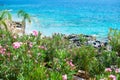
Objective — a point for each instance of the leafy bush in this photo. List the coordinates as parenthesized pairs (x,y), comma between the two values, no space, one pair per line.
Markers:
(85,59)
(50,58)
(114,37)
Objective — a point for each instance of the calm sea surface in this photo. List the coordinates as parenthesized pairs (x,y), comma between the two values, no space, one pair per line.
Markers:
(68,16)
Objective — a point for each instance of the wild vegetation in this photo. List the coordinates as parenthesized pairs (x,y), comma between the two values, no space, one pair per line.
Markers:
(25,17)
(4,15)
(32,57)
(6,19)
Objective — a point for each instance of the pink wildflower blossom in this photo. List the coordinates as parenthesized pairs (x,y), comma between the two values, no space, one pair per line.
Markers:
(16,45)
(42,47)
(15,37)
(2,50)
(31,44)
(117,70)
(64,77)
(70,63)
(112,77)
(35,33)
(0,46)
(108,70)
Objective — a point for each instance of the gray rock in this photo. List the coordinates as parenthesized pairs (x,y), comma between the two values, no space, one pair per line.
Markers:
(72,36)
(75,39)
(88,37)
(97,44)
(77,78)
(90,42)
(105,43)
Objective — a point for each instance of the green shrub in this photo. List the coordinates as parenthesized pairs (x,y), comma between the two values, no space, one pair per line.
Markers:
(49,58)
(114,37)
(84,59)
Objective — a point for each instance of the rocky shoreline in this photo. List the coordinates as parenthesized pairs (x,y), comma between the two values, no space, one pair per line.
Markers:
(76,40)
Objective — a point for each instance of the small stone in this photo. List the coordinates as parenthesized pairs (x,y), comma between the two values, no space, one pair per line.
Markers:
(77,78)
(71,36)
(75,39)
(105,43)
(98,41)
(78,43)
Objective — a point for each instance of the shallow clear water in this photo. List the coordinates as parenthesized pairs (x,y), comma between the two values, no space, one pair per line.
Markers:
(71,16)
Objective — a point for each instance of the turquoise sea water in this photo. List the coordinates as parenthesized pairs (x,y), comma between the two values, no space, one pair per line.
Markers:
(67,17)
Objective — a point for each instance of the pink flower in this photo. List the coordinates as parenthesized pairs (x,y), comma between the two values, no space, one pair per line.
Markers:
(16,45)
(117,70)
(35,33)
(14,37)
(42,47)
(70,63)
(31,44)
(64,77)
(0,46)
(2,50)
(112,77)
(108,70)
